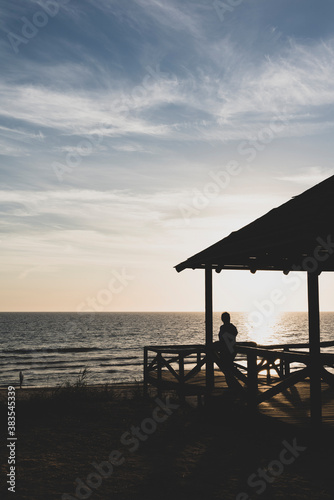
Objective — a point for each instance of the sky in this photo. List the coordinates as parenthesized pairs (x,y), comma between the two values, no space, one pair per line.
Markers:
(135,133)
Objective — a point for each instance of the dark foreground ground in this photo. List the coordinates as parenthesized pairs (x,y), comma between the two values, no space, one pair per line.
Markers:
(218,452)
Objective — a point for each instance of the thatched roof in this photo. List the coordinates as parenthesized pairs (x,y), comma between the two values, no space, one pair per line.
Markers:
(297,234)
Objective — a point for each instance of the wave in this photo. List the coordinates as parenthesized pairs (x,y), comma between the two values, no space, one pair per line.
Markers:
(27,361)
(125,357)
(125,364)
(50,350)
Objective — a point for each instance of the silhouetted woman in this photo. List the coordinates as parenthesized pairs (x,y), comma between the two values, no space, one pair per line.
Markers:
(227,346)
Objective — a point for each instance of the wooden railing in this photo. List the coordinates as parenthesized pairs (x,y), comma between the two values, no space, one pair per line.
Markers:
(278,358)
(272,358)
(173,359)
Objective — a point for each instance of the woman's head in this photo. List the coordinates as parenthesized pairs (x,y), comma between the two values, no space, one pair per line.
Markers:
(226,318)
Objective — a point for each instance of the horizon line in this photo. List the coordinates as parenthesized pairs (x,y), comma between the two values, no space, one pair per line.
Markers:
(151,312)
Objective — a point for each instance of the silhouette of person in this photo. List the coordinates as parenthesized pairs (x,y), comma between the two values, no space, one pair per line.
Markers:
(227,347)
(227,336)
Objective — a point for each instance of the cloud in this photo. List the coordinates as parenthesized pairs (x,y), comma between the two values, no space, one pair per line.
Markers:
(72,113)
(222,100)
(165,92)
(170,15)
(310,176)
(111,214)
(130,148)
(7,149)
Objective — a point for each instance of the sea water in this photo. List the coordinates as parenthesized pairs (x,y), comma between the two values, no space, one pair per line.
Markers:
(53,348)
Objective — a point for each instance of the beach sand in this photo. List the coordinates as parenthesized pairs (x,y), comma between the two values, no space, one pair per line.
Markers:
(181,451)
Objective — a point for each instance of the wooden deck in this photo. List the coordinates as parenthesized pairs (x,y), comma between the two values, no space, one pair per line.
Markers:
(280,380)
(291,405)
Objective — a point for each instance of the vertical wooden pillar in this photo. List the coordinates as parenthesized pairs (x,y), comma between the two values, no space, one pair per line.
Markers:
(145,370)
(181,377)
(314,340)
(209,327)
(252,379)
(159,374)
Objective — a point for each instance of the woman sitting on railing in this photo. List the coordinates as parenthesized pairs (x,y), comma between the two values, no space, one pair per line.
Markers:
(226,347)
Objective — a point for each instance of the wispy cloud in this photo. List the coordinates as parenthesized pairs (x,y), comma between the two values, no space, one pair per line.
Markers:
(130,148)
(165,93)
(310,176)
(211,105)
(172,16)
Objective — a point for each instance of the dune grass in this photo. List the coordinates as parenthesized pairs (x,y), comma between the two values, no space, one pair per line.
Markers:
(196,453)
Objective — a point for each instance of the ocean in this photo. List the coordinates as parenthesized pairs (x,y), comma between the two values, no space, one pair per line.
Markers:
(52,348)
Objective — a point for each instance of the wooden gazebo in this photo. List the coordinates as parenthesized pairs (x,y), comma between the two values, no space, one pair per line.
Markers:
(297,236)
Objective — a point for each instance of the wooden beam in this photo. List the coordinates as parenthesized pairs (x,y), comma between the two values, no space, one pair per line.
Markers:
(209,328)
(314,340)
(293,379)
(195,370)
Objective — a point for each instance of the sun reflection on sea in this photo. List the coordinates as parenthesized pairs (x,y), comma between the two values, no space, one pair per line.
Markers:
(266,331)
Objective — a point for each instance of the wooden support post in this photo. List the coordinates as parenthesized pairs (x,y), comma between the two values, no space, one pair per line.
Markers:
(268,374)
(252,380)
(181,376)
(314,340)
(208,328)
(145,370)
(198,357)
(159,373)
(286,364)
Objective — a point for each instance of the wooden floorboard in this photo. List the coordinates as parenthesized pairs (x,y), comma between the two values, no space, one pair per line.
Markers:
(291,406)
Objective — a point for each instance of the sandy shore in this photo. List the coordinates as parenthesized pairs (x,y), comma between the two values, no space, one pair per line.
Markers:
(111,443)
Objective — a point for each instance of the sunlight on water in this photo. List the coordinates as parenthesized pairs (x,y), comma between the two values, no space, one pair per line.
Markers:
(267,331)
(52,348)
